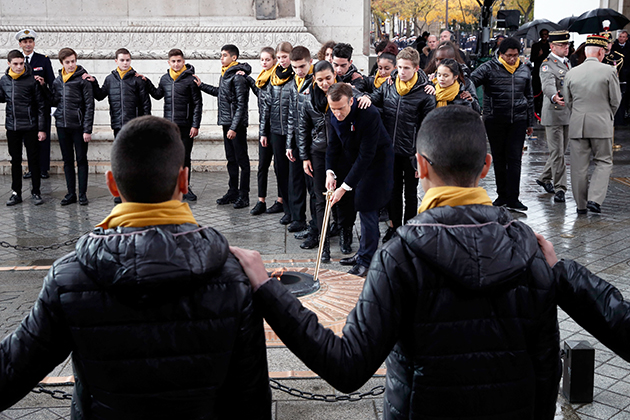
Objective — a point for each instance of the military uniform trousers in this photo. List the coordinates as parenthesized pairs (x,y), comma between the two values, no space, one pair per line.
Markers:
(555,170)
(581,150)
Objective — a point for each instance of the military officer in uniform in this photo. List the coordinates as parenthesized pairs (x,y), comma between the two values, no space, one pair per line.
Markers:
(41,66)
(555,115)
(592,94)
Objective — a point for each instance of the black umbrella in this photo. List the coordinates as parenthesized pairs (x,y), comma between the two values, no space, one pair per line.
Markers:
(532,29)
(594,21)
(567,22)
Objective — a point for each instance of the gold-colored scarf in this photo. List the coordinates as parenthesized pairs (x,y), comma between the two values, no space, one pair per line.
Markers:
(224,69)
(171,212)
(299,81)
(378,81)
(175,74)
(404,88)
(15,75)
(445,95)
(453,196)
(263,77)
(65,75)
(122,73)
(276,80)
(509,68)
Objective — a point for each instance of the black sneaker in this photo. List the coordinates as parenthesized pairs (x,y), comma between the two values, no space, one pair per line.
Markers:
(499,202)
(117,200)
(285,220)
(228,198)
(310,243)
(258,209)
(190,195)
(27,175)
(296,226)
(517,206)
(83,200)
(37,199)
(69,199)
(241,203)
(276,208)
(45,175)
(14,199)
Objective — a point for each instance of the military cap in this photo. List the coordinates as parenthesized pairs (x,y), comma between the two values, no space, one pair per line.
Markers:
(607,35)
(597,41)
(26,34)
(559,37)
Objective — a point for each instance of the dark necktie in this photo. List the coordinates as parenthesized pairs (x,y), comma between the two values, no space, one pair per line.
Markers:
(28,60)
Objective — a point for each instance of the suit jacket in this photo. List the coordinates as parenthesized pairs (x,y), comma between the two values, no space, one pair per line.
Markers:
(362,142)
(552,74)
(593,95)
(42,67)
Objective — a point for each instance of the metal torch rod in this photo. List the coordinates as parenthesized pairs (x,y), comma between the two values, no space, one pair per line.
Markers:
(322,236)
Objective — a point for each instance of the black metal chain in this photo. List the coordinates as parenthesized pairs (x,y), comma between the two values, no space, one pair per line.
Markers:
(69,242)
(352,397)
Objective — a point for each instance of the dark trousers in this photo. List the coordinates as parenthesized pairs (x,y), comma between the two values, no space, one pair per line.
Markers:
(506,144)
(404,180)
(44,146)
(369,237)
(297,189)
(265,155)
(281,163)
(71,141)
(237,157)
(346,214)
(116,131)
(184,133)
(15,140)
(318,161)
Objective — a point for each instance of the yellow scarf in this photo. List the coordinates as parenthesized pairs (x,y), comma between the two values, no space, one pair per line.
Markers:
(403,88)
(175,74)
(263,77)
(445,95)
(66,76)
(509,68)
(15,75)
(122,73)
(224,69)
(453,196)
(299,81)
(378,81)
(171,212)
(275,80)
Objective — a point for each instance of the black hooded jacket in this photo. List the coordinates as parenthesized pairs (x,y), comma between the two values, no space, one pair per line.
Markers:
(25,102)
(232,96)
(403,115)
(161,325)
(461,303)
(128,97)
(182,98)
(74,101)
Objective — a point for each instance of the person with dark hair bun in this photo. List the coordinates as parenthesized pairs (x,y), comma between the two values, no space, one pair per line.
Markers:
(508,114)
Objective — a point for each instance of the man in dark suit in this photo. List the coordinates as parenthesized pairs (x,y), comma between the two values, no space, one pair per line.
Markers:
(41,67)
(358,139)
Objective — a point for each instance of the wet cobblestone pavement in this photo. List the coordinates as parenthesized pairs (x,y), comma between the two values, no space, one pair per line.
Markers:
(601,242)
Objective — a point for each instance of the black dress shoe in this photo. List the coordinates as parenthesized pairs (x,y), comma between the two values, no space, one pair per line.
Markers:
(303,234)
(44,175)
(83,200)
(296,226)
(359,270)
(276,208)
(258,209)
(548,186)
(27,175)
(499,202)
(285,220)
(582,211)
(69,199)
(389,234)
(345,241)
(349,260)
(228,198)
(310,243)
(190,195)
(241,203)
(37,199)
(14,199)
(593,207)
(559,197)
(517,206)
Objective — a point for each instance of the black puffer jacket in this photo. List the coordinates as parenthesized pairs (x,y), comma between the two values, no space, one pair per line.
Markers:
(506,97)
(274,114)
(469,86)
(182,98)
(128,97)
(74,101)
(403,115)
(25,102)
(355,78)
(312,135)
(161,325)
(295,108)
(461,303)
(232,96)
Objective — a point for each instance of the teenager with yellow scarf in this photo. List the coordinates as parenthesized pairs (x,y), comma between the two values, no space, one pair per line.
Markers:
(452,87)
(508,113)
(404,104)
(386,64)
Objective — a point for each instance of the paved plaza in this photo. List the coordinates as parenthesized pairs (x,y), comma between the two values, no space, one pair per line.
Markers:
(601,242)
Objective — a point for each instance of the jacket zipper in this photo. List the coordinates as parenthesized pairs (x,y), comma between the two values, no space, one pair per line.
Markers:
(13,104)
(396,123)
(65,123)
(512,109)
(280,109)
(122,104)
(173,101)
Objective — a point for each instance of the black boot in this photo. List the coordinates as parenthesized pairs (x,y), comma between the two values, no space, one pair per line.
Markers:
(326,251)
(345,240)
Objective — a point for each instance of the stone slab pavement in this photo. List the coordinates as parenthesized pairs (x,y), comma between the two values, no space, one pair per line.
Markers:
(601,242)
